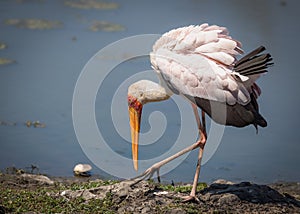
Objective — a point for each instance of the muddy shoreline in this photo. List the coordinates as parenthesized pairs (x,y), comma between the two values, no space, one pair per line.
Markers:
(22,192)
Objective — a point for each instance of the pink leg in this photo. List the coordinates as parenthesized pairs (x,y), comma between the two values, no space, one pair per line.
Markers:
(148,173)
(202,141)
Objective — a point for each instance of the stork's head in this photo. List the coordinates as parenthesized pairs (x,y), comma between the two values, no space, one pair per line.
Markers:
(140,93)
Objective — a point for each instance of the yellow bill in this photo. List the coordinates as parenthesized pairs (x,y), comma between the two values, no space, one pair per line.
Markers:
(135,119)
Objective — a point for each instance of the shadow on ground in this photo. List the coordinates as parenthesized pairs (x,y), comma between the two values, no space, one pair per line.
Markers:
(227,192)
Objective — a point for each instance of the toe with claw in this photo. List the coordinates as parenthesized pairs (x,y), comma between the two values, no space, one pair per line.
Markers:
(147,174)
(190,198)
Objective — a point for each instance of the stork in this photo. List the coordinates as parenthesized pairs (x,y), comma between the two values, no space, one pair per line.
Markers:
(200,64)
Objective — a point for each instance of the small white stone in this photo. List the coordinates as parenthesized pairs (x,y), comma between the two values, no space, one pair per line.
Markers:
(161,193)
(81,168)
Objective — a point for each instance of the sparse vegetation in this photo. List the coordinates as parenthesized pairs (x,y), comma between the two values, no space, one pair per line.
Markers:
(34,24)
(182,188)
(91,4)
(84,195)
(5,61)
(18,196)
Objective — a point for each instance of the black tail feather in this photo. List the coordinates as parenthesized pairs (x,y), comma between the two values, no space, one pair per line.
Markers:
(251,54)
(254,63)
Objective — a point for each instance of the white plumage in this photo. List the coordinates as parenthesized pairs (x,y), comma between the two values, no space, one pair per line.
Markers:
(198,61)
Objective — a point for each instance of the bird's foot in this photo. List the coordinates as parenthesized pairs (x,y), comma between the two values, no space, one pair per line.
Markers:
(190,198)
(147,174)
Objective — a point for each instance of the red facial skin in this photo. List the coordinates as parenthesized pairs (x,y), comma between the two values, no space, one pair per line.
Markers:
(135,104)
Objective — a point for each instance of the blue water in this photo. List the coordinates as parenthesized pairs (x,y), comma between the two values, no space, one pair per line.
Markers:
(40,86)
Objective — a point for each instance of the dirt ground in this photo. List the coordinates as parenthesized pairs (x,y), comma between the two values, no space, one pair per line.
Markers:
(30,193)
